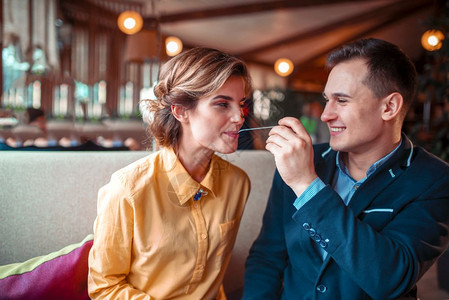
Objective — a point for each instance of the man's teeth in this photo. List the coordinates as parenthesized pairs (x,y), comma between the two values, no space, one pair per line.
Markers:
(337,129)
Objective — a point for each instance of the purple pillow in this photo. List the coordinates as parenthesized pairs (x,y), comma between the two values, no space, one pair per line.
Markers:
(58,275)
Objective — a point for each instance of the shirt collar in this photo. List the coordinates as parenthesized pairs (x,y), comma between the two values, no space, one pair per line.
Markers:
(341,166)
(182,184)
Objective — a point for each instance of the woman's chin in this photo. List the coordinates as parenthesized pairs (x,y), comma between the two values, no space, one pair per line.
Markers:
(228,148)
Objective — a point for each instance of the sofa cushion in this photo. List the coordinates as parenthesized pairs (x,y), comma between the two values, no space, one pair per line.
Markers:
(58,275)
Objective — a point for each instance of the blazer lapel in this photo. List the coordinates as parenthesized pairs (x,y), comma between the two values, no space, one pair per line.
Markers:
(325,165)
(382,178)
(363,197)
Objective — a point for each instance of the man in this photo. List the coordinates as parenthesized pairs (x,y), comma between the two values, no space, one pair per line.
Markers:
(366,217)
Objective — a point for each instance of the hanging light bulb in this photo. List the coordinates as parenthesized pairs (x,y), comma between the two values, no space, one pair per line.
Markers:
(130,22)
(432,40)
(173,46)
(283,67)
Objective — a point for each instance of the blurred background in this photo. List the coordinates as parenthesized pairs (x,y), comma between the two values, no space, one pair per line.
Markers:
(87,63)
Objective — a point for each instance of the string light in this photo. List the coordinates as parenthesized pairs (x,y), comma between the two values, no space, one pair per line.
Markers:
(432,40)
(173,46)
(283,67)
(130,22)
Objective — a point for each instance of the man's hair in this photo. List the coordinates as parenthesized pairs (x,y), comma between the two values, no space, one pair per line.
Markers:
(389,68)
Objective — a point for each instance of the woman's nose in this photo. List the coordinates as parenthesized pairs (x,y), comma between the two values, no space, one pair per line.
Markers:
(238,115)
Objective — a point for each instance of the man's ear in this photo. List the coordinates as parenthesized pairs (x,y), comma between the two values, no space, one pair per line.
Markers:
(180,113)
(392,106)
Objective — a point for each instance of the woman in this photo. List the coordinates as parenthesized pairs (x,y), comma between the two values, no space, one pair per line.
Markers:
(167,223)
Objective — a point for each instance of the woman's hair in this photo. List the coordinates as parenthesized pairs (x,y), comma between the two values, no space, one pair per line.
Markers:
(183,80)
(389,68)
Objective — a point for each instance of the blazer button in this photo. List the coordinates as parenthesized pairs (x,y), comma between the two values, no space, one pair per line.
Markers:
(306,226)
(317,238)
(312,232)
(321,288)
(323,244)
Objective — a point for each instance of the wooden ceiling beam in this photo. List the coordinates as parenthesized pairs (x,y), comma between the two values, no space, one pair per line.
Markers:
(395,17)
(393,10)
(84,10)
(243,9)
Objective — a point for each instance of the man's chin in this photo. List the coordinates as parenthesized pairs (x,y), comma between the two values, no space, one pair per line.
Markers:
(335,146)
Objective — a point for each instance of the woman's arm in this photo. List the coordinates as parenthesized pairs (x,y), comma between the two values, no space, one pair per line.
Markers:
(110,256)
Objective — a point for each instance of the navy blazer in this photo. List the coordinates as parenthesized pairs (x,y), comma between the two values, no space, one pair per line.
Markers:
(394,228)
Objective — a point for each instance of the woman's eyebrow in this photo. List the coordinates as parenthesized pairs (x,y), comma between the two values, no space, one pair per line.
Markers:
(222,97)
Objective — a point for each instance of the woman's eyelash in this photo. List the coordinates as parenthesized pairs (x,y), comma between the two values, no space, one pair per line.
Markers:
(226,104)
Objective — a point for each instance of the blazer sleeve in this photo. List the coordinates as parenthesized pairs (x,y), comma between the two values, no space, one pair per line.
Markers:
(268,255)
(385,263)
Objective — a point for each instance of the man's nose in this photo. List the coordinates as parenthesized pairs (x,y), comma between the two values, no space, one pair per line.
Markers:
(328,113)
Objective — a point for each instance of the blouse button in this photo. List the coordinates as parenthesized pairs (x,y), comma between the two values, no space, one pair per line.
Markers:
(204,236)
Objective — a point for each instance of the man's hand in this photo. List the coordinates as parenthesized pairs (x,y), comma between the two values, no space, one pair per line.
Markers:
(292,148)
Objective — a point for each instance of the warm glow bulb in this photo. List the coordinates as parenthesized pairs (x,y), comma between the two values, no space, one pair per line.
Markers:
(283,67)
(130,22)
(432,40)
(173,46)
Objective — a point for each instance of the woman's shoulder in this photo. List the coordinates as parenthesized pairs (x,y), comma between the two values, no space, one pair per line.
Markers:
(140,165)
(141,169)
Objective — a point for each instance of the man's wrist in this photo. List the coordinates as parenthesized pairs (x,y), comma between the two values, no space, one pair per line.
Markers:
(314,188)
(301,187)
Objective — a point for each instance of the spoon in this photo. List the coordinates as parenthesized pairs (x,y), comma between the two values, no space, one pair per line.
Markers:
(255,128)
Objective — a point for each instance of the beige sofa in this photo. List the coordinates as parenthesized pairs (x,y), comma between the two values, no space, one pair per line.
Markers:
(48,201)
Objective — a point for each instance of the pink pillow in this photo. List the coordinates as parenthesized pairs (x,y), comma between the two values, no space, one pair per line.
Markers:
(58,275)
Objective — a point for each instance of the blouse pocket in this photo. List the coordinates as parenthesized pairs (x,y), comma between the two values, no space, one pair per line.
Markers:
(227,238)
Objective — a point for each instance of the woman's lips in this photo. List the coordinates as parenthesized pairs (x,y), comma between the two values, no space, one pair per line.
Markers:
(232,134)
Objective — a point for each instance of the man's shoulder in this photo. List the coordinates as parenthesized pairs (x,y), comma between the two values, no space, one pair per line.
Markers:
(425,176)
(428,162)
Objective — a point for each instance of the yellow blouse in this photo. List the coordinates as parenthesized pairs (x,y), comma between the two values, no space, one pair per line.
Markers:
(152,240)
